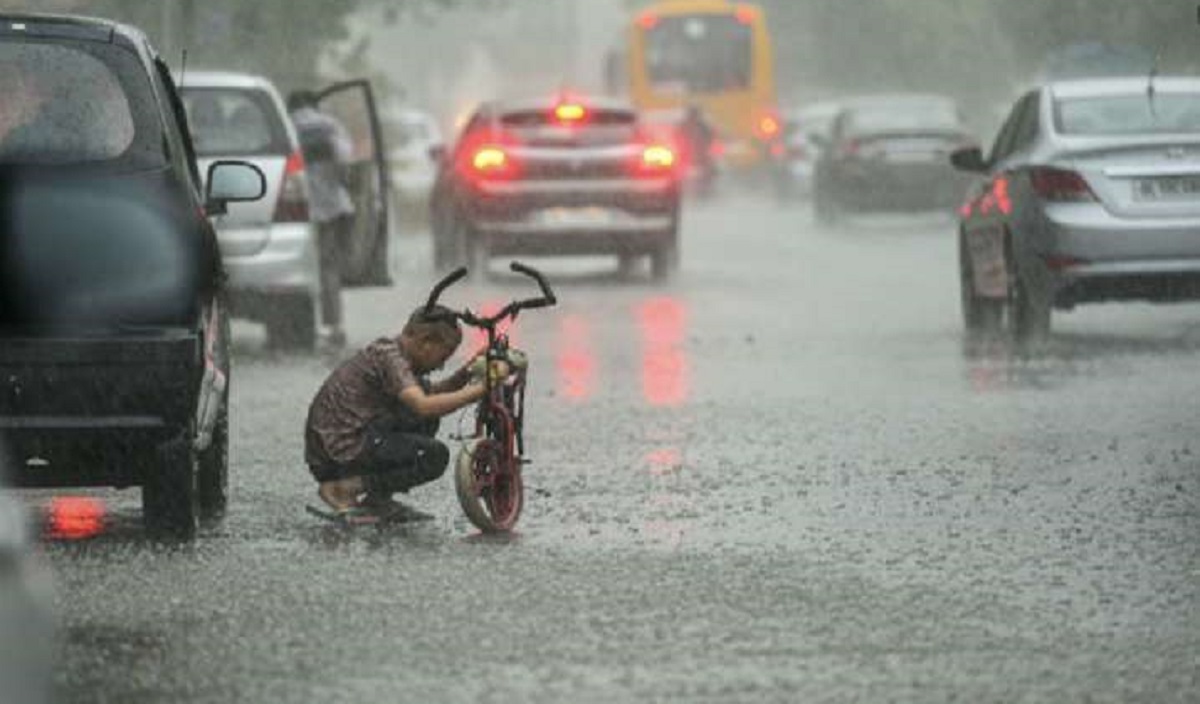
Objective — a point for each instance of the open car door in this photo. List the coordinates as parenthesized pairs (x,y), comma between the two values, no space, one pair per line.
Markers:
(365,260)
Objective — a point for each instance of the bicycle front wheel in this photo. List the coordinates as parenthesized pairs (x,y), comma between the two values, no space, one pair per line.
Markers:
(489,489)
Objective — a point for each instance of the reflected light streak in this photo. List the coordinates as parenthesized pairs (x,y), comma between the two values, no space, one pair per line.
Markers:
(665,372)
(576,361)
(664,461)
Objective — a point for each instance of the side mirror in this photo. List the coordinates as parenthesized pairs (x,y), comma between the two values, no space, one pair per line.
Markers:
(969,159)
(437,153)
(232,182)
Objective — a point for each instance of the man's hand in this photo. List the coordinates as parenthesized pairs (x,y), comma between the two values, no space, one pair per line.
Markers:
(499,369)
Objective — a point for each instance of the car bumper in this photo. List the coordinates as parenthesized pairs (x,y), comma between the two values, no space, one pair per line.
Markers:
(575,217)
(287,264)
(1089,255)
(885,185)
(91,412)
(636,236)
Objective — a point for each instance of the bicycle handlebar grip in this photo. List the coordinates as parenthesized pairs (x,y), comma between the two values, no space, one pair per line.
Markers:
(451,279)
(536,275)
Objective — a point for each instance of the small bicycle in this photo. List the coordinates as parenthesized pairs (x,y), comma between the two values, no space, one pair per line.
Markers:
(487,472)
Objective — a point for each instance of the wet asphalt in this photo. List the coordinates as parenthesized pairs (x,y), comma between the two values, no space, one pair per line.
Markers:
(781,477)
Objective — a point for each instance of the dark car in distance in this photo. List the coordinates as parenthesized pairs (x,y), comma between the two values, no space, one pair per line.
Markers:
(891,152)
(114,334)
(557,176)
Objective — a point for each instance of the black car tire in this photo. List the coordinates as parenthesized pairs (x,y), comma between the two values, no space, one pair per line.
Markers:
(170,496)
(980,315)
(664,261)
(824,208)
(213,478)
(478,254)
(1030,317)
(292,324)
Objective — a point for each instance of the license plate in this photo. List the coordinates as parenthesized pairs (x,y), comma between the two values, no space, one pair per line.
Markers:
(1167,188)
(575,216)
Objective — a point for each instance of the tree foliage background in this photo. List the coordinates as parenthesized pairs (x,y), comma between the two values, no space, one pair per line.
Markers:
(284,39)
(969,46)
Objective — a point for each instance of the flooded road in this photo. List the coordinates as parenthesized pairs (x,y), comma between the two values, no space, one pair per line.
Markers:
(781,477)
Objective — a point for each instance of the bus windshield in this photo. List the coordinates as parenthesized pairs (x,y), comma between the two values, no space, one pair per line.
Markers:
(699,53)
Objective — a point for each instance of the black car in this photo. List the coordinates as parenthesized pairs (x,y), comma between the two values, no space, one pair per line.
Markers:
(114,335)
(557,176)
(891,153)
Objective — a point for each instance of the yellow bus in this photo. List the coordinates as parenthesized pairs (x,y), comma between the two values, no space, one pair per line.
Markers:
(713,54)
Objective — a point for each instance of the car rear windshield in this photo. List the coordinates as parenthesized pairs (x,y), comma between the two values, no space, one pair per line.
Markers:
(235,122)
(64,104)
(1165,113)
(596,128)
(904,117)
(700,53)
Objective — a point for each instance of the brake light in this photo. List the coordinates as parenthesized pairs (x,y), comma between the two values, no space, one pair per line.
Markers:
(71,518)
(292,205)
(768,126)
(489,159)
(1060,185)
(745,14)
(647,20)
(569,113)
(656,158)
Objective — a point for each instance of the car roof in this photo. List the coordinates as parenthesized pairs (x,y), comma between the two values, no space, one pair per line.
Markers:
(874,99)
(224,79)
(549,102)
(57,26)
(1133,85)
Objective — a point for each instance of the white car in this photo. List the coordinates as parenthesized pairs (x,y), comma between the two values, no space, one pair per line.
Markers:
(269,247)
(412,135)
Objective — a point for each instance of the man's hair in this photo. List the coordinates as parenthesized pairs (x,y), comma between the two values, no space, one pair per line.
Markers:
(298,99)
(438,324)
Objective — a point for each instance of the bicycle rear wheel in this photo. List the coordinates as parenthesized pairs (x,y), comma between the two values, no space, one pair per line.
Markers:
(491,494)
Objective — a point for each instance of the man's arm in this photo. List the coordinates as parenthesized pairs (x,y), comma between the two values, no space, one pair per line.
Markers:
(436,405)
(454,382)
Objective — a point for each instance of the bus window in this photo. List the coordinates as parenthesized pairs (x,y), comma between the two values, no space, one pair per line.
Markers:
(699,53)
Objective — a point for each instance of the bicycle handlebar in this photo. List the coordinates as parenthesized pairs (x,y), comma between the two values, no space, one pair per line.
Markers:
(451,279)
(547,299)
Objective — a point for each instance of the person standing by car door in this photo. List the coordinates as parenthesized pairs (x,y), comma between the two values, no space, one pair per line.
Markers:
(328,150)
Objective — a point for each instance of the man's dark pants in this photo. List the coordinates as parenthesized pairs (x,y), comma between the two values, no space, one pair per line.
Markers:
(333,239)
(401,452)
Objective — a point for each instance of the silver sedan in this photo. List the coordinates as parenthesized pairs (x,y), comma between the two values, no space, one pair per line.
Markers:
(1090,193)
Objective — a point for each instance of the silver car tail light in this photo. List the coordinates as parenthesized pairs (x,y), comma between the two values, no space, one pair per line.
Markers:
(293,194)
(1060,185)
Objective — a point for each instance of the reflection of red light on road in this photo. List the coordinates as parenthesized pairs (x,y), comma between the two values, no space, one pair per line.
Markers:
(664,363)
(74,518)
(664,461)
(576,362)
